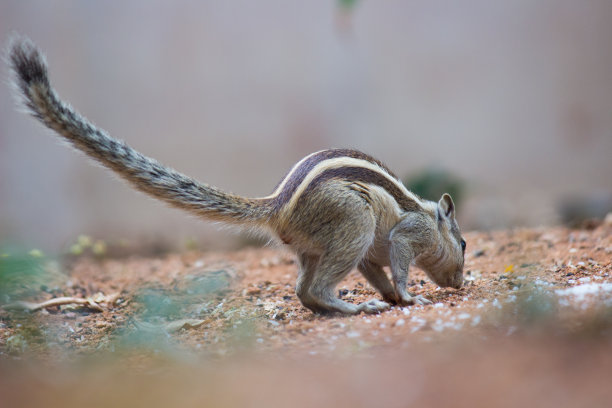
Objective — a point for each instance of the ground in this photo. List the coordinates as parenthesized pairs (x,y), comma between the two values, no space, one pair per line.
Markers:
(531,326)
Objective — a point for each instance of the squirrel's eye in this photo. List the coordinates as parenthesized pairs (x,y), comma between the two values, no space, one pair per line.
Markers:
(463,245)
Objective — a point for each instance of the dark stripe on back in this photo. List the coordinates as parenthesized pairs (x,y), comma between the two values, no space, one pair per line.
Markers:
(302,171)
(360,174)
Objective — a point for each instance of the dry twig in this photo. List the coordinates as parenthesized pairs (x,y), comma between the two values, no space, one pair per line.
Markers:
(67,300)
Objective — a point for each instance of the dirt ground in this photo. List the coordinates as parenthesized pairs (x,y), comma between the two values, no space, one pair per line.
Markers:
(531,326)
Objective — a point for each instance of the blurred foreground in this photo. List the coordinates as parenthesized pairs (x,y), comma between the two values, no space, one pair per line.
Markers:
(532,326)
(499,372)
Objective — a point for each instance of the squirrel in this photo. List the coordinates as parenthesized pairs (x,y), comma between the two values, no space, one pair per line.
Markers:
(337,209)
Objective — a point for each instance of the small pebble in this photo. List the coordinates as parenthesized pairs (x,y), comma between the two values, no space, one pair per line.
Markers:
(478,253)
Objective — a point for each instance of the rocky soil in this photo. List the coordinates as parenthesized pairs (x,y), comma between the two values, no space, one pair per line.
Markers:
(532,325)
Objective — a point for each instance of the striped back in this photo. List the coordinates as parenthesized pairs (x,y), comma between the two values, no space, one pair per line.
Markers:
(340,164)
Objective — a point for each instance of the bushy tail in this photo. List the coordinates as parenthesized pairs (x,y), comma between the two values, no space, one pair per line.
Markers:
(31,80)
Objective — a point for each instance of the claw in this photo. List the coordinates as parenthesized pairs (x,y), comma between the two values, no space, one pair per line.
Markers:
(414,300)
(420,300)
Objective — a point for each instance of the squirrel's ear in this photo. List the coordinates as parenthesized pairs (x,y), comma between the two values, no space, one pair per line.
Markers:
(446,207)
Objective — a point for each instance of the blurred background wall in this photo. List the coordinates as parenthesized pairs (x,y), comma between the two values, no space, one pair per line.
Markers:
(514,98)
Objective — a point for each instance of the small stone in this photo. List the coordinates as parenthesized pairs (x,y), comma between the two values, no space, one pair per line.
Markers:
(280,315)
(478,253)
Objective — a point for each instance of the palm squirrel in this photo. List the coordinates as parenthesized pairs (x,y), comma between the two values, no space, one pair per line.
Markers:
(337,209)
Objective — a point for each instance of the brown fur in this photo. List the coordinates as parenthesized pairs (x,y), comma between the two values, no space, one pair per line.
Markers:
(337,209)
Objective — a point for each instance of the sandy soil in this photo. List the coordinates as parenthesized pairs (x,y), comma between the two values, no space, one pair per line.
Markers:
(532,325)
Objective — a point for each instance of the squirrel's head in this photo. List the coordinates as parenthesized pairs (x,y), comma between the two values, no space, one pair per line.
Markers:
(443,263)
